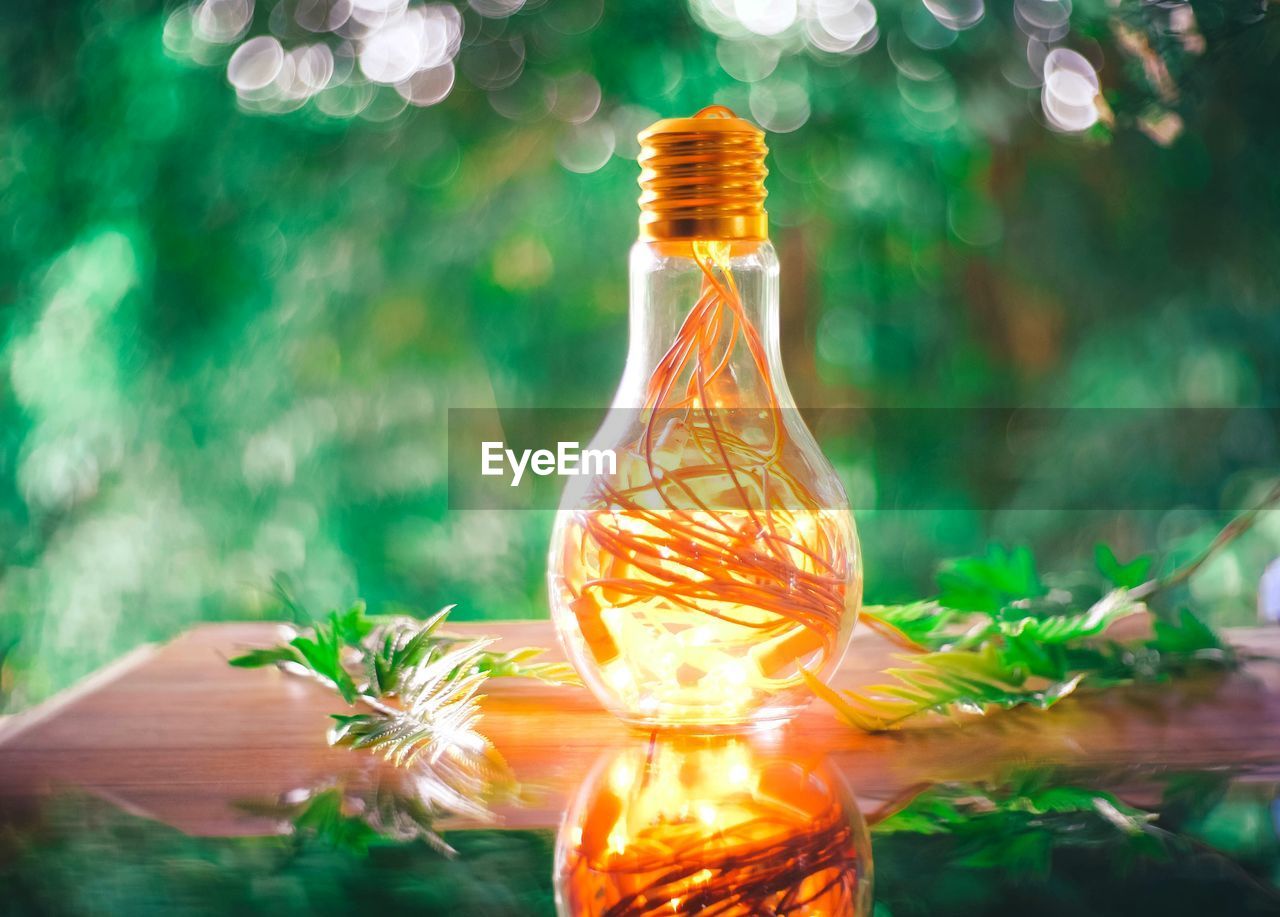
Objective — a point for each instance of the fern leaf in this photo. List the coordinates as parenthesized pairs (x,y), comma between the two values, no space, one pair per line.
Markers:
(421,687)
(944,683)
(1067,628)
(918,626)
(438,709)
(516,663)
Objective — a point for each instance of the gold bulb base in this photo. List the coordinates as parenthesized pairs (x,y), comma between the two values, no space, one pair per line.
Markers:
(703,178)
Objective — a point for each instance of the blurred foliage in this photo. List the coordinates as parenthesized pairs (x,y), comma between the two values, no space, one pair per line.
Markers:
(230,336)
(1038,841)
(88,857)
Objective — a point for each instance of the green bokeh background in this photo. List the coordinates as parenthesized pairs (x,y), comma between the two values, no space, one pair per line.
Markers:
(229,339)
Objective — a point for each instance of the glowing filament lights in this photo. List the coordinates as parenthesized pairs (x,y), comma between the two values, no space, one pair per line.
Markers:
(717,828)
(693,585)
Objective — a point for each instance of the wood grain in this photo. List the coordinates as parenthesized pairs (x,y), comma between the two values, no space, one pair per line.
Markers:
(174,733)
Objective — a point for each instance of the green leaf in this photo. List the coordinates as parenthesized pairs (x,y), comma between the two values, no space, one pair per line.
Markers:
(437,707)
(323,652)
(397,645)
(351,626)
(1023,821)
(994,625)
(275,655)
(927,813)
(1075,626)
(323,818)
(516,663)
(1044,660)
(1024,854)
(423,641)
(946,683)
(989,583)
(1188,636)
(420,685)
(926,624)
(1124,576)
(320,654)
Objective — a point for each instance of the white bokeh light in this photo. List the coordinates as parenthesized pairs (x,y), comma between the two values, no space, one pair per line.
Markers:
(576,97)
(393,52)
(766,17)
(780,106)
(369,10)
(956,14)
(322,15)
(846,21)
(496,9)
(1069,92)
(427,87)
(255,64)
(747,61)
(1045,20)
(422,38)
(586,147)
(222,21)
(313,65)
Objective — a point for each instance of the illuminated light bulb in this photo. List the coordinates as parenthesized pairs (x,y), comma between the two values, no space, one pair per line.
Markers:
(695,585)
(788,834)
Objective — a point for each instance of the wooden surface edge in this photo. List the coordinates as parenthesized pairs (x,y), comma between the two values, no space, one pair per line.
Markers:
(12,727)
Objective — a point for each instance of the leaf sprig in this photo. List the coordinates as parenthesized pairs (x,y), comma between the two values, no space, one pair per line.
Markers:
(997,636)
(419,687)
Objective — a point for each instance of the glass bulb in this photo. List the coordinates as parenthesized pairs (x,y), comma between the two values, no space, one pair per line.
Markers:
(696,584)
(718,827)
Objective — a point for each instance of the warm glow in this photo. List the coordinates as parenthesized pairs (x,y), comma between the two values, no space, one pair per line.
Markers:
(675,837)
(698,580)
(720,659)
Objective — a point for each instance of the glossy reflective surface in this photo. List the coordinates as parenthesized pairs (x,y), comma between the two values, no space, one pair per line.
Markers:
(1038,843)
(178,785)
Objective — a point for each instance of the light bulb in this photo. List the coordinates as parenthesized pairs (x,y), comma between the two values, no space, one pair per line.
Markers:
(695,584)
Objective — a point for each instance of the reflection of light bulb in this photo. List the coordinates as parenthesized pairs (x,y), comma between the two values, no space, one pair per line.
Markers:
(694,585)
(679,838)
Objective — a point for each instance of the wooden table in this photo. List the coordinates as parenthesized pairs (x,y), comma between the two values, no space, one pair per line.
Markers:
(173,733)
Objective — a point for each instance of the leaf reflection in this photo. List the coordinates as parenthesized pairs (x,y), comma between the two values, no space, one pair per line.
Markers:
(399,806)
